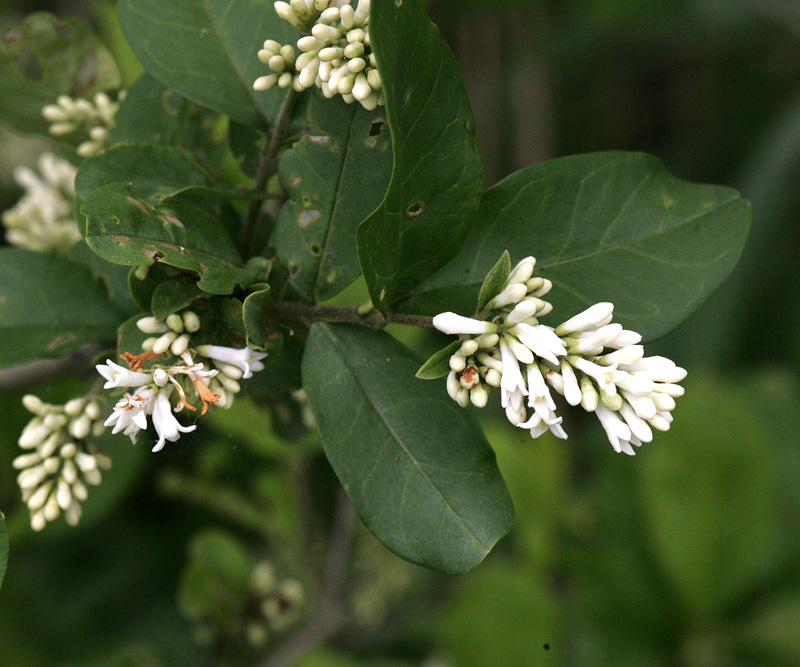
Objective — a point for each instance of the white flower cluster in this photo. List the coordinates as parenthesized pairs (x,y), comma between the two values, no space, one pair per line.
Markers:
(94,118)
(151,389)
(631,394)
(335,53)
(55,473)
(42,219)
(278,603)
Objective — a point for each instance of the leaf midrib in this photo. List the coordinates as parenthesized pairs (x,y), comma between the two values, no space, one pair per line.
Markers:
(334,342)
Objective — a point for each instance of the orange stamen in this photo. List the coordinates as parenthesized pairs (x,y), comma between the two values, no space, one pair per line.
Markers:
(206,395)
(135,361)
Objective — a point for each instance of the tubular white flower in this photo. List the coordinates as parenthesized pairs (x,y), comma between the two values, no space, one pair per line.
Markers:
(590,319)
(247,360)
(541,340)
(572,390)
(130,412)
(511,381)
(512,294)
(117,376)
(618,432)
(167,427)
(451,323)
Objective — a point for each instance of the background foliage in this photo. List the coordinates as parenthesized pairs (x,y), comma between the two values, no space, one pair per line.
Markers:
(685,555)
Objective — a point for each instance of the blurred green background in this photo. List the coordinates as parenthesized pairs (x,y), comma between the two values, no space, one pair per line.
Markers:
(687,555)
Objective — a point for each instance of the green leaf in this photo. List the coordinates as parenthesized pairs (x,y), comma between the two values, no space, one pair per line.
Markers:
(495,281)
(436,181)
(416,467)
(48,307)
(126,230)
(173,295)
(439,364)
(151,172)
(207,51)
(603,227)
(44,57)
(261,335)
(148,114)
(335,176)
(709,498)
(3,548)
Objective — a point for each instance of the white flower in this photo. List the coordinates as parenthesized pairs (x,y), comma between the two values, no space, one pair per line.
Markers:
(130,412)
(544,408)
(451,323)
(590,319)
(512,384)
(245,359)
(618,432)
(117,376)
(541,340)
(167,427)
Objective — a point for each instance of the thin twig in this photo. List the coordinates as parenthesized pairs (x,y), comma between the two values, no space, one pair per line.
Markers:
(19,377)
(268,166)
(308,314)
(331,615)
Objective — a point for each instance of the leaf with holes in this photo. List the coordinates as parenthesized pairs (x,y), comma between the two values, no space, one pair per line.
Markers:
(44,57)
(152,173)
(335,176)
(417,468)
(127,230)
(603,227)
(436,181)
(49,307)
(206,50)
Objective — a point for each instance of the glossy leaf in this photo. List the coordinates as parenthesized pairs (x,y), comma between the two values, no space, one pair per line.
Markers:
(495,281)
(439,364)
(436,181)
(148,114)
(207,51)
(152,173)
(261,335)
(335,176)
(127,230)
(44,57)
(603,227)
(48,307)
(416,466)
(3,549)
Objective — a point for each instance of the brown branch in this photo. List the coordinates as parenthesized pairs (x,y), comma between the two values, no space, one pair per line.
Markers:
(19,377)
(308,314)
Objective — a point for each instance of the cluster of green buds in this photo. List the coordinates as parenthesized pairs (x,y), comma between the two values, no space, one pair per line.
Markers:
(335,52)
(277,603)
(61,463)
(93,118)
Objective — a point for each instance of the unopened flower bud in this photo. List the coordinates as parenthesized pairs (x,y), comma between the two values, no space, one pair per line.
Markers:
(150,325)
(512,294)
(462,397)
(160,377)
(162,344)
(79,428)
(479,396)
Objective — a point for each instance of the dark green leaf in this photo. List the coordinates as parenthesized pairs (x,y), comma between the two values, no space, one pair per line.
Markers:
(604,227)
(113,277)
(261,335)
(207,51)
(127,230)
(439,364)
(142,289)
(436,182)
(495,281)
(3,548)
(173,295)
(152,173)
(148,114)
(335,177)
(44,57)
(416,466)
(48,307)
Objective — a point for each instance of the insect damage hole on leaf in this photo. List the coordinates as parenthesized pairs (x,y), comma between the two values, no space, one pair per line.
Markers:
(415,208)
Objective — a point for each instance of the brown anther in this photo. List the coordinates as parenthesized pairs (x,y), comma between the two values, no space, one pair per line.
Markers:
(470,377)
(206,395)
(135,361)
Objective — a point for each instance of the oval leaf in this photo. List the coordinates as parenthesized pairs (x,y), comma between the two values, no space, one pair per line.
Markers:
(206,50)
(49,307)
(439,364)
(335,176)
(417,468)
(44,57)
(126,230)
(603,227)
(436,181)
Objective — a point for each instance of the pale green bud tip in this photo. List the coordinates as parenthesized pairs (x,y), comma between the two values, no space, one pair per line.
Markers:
(33,404)
(175,322)
(191,321)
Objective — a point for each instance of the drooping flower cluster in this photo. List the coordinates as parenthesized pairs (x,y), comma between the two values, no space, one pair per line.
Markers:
(588,359)
(335,53)
(60,462)
(92,118)
(151,389)
(42,219)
